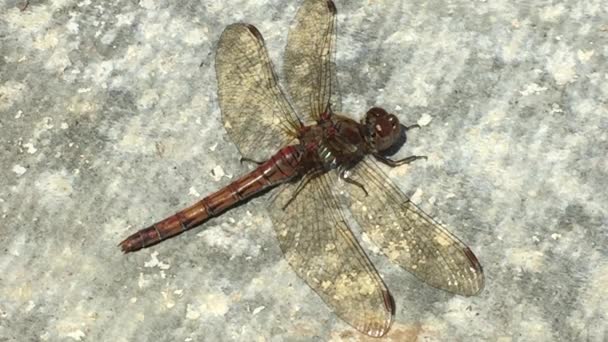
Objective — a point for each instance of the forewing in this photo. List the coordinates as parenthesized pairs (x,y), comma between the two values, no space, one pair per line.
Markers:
(309,61)
(408,236)
(322,250)
(254,110)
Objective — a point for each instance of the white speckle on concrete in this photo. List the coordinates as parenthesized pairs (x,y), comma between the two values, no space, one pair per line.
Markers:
(11,92)
(30,147)
(192,191)
(217,173)
(19,170)
(55,188)
(555,108)
(168,299)
(30,305)
(154,262)
(142,281)
(125,19)
(149,4)
(425,119)
(72,26)
(192,313)
(76,335)
(530,260)
(258,310)
(47,123)
(235,244)
(584,55)
(561,65)
(551,13)
(195,36)
(532,88)
(214,304)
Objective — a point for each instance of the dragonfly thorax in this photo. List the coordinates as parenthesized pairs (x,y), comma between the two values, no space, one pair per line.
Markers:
(326,156)
(334,141)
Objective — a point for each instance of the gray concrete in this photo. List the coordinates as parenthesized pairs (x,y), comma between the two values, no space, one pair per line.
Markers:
(109,121)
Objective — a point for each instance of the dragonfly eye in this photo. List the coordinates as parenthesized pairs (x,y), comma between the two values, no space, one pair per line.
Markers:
(393,121)
(376,112)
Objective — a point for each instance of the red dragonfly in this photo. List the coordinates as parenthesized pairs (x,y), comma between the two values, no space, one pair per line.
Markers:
(321,148)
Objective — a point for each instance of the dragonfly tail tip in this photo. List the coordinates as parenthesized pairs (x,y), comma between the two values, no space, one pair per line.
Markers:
(126,246)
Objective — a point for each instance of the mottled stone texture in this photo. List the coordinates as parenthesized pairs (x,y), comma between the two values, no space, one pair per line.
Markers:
(109,121)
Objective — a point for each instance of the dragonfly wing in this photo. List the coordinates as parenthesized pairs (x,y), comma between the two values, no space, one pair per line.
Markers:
(322,250)
(408,236)
(309,61)
(255,111)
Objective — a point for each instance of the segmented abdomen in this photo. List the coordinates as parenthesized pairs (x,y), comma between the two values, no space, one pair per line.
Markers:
(281,167)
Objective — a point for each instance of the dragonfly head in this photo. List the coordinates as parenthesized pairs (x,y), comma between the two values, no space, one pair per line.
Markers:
(383,132)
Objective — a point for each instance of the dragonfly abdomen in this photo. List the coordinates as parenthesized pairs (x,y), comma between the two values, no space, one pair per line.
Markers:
(278,169)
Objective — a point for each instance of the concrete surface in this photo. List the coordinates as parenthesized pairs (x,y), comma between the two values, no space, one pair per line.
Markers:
(109,121)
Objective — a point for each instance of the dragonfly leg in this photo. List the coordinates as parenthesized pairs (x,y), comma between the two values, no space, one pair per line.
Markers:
(245,159)
(305,179)
(352,181)
(407,128)
(394,163)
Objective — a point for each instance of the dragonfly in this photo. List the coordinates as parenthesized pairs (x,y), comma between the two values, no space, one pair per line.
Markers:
(304,147)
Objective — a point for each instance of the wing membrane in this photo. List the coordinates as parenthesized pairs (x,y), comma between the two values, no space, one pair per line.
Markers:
(322,250)
(409,237)
(309,61)
(254,110)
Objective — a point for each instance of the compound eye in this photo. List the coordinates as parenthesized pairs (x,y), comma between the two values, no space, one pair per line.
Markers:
(393,121)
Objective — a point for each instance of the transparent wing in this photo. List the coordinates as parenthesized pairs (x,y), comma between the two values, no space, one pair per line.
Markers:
(309,61)
(254,110)
(408,236)
(322,250)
